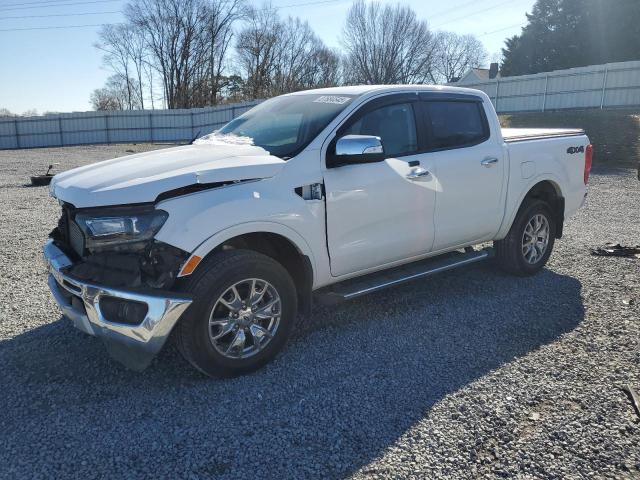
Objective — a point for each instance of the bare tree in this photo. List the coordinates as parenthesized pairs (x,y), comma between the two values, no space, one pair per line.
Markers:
(386,44)
(103,100)
(222,15)
(455,55)
(114,95)
(135,48)
(114,42)
(185,44)
(282,56)
(257,50)
(294,67)
(173,30)
(326,70)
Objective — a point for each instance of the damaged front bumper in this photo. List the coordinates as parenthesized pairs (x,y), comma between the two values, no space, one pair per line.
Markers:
(133,345)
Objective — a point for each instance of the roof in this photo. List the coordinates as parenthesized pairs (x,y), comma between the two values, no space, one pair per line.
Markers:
(482,73)
(365,89)
(474,75)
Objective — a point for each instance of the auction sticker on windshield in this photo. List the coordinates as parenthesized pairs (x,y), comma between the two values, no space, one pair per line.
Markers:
(332,99)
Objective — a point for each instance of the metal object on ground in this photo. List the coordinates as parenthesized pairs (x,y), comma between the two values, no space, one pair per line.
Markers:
(616,250)
(633,396)
(41,180)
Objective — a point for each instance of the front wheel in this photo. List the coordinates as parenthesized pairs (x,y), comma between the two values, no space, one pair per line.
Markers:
(243,310)
(528,245)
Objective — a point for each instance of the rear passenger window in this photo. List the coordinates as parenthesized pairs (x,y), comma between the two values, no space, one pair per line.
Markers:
(394,124)
(456,124)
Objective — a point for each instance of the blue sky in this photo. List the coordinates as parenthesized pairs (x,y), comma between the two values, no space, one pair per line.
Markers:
(57,69)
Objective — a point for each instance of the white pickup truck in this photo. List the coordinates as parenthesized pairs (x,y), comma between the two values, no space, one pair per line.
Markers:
(321,195)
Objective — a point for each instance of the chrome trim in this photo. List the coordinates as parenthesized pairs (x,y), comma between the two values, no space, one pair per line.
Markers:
(489,162)
(544,136)
(359,145)
(418,173)
(133,345)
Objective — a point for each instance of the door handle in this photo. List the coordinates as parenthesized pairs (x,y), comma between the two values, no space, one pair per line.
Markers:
(418,173)
(489,162)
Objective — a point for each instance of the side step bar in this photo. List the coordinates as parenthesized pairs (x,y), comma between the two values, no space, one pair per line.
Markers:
(356,287)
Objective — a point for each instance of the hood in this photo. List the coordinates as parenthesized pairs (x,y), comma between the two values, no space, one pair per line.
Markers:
(142,177)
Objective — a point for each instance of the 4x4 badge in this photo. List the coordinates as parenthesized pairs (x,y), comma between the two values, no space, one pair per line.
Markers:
(572,150)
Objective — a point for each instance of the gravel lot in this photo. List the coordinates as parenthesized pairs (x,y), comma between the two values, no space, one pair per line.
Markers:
(469,374)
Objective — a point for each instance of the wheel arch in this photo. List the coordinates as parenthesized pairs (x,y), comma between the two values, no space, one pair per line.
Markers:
(545,188)
(276,241)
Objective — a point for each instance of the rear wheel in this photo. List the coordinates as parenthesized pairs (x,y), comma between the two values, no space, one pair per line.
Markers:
(243,311)
(528,245)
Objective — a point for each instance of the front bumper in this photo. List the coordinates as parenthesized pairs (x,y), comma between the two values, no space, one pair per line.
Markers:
(132,345)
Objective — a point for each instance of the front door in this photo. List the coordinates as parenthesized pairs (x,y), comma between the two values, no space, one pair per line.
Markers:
(379,213)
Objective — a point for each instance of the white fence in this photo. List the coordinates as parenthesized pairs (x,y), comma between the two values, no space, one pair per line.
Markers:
(613,85)
(115,127)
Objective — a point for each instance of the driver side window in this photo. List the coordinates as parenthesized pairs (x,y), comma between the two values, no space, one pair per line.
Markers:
(395,124)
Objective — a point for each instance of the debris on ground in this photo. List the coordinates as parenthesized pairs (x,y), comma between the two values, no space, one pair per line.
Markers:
(40,180)
(616,250)
(633,396)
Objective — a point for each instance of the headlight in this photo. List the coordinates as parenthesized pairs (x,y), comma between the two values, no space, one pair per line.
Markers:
(105,230)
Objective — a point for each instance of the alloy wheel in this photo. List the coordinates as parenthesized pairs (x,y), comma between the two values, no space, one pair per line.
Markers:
(535,238)
(245,318)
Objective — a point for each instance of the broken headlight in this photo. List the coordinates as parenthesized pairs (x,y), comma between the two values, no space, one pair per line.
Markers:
(107,230)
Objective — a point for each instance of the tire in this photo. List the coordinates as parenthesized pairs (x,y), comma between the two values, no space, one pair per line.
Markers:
(210,315)
(512,255)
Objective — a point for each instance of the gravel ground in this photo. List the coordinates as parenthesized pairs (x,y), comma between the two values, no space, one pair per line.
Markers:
(469,374)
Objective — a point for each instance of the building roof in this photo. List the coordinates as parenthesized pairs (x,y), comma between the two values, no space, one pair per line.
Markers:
(474,75)
(482,73)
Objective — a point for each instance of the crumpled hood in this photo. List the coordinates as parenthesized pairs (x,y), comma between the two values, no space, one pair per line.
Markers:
(142,177)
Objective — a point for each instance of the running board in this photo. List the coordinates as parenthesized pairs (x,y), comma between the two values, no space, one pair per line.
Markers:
(356,287)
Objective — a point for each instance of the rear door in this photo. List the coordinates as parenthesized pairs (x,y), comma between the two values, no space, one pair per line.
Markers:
(379,213)
(469,169)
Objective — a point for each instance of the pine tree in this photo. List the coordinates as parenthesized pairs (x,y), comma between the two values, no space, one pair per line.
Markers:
(572,33)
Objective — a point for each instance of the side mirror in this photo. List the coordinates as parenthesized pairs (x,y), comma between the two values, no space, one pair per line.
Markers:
(356,149)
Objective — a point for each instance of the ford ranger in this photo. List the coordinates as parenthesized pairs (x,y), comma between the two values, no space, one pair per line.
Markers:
(314,196)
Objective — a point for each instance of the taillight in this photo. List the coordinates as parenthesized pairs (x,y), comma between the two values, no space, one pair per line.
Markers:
(588,159)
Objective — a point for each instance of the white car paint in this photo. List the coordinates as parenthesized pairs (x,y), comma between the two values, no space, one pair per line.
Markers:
(390,217)
(372,217)
(142,177)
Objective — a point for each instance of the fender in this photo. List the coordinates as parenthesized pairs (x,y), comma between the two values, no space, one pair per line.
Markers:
(290,234)
(511,215)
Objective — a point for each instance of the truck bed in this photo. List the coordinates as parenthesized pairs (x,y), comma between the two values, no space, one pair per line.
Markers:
(511,135)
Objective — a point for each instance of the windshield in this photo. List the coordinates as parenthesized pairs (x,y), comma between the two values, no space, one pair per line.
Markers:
(285,125)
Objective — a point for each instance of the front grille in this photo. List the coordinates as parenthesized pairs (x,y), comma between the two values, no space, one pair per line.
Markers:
(63,226)
(68,235)
(76,238)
